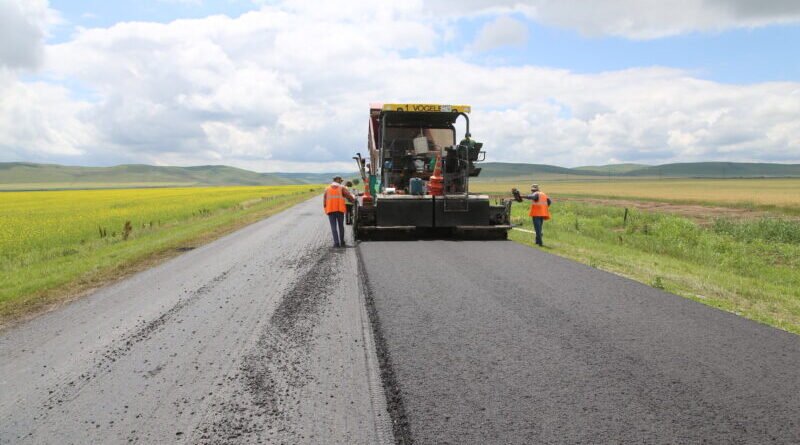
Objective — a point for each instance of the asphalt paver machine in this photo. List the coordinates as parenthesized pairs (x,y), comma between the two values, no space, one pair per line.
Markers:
(417,177)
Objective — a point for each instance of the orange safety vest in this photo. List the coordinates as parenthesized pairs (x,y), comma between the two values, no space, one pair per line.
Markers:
(334,200)
(540,208)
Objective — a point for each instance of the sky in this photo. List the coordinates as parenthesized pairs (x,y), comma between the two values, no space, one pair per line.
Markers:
(286,85)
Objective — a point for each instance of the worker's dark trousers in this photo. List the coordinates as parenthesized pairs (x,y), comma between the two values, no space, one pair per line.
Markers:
(337,227)
(348,216)
(538,222)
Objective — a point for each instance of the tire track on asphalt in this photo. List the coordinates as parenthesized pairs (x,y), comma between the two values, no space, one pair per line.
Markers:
(384,428)
(391,387)
(67,391)
(275,367)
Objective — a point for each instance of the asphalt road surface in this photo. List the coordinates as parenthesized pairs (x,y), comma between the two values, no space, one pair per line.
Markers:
(259,337)
(495,342)
(263,336)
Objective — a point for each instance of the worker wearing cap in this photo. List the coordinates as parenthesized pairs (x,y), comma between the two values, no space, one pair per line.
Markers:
(540,210)
(333,201)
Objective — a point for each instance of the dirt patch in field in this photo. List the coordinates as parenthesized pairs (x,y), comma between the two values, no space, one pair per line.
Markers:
(700,213)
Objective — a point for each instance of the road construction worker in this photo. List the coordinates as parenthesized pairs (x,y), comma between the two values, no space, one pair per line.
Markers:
(333,201)
(348,214)
(540,210)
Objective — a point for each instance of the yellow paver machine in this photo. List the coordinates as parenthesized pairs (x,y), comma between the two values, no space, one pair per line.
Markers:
(417,177)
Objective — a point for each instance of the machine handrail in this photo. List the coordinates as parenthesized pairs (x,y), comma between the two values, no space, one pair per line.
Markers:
(372,146)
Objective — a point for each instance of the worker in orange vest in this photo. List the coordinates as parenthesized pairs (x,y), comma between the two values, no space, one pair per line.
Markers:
(333,201)
(540,210)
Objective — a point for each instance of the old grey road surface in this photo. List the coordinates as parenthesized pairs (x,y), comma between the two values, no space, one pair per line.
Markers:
(259,337)
(494,342)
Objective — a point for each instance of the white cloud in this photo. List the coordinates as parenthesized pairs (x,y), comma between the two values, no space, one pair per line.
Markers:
(652,18)
(502,31)
(641,19)
(287,88)
(23,24)
(40,121)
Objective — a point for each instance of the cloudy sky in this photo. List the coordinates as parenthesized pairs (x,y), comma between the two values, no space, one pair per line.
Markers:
(286,85)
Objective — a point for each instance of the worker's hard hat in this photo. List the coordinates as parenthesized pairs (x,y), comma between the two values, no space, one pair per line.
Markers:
(534,187)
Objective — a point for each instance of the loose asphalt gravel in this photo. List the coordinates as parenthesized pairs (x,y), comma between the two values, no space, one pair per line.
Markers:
(270,336)
(259,337)
(496,342)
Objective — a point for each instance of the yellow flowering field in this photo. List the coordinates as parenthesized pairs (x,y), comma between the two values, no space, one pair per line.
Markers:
(53,238)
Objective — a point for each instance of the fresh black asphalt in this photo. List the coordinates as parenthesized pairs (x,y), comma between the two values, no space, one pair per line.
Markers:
(496,342)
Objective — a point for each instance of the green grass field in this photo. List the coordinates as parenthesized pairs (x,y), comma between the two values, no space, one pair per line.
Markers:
(779,195)
(747,266)
(57,243)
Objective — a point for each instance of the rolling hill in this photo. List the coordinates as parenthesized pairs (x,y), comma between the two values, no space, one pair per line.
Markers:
(37,176)
(14,173)
(315,178)
(493,171)
(719,170)
(612,168)
(497,170)
(30,176)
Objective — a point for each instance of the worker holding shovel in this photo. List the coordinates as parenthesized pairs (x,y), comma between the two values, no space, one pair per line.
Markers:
(540,208)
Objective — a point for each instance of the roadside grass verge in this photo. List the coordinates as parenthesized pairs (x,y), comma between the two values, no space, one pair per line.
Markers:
(751,268)
(55,246)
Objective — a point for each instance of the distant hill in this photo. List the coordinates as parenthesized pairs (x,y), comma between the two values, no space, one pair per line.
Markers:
(15,173)
(719,170)
(23,175)
(494,171)
(29,176)
(316,178)
(61,176)
(612,168)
